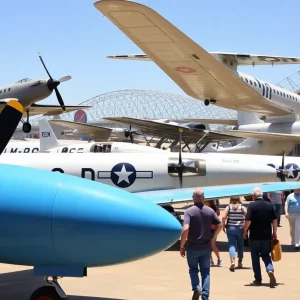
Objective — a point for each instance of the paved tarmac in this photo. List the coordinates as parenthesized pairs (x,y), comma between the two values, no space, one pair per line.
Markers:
(165,276)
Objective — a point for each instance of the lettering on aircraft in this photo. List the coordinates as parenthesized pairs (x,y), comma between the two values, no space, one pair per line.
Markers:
(79,150)
(25,150)
(123,174)
(45,134)
(293,170)
(228,160)
(37,83)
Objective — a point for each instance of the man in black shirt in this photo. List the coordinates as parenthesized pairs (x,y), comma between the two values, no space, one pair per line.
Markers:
(259,219)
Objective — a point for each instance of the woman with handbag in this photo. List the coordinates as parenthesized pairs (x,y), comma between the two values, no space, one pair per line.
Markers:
(235,214)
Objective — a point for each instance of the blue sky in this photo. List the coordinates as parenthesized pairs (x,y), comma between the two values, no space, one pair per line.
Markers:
(73,38)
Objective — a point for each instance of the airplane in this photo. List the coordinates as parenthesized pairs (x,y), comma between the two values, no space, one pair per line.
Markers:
(40,228)
(48,143)
(191,67)
(28,92)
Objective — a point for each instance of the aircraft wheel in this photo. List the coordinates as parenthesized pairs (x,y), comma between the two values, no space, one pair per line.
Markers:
(46,293)
(26,127)
(206,102)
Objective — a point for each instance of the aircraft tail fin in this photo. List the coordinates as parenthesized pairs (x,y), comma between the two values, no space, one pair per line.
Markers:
(48,138)
(245,118)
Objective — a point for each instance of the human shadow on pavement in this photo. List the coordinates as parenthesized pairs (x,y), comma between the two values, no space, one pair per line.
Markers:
(223,247)
(20,285)
(262,285)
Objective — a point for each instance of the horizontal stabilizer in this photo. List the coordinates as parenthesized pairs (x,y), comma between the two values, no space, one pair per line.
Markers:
(215,121)
(213,192)
(266,135)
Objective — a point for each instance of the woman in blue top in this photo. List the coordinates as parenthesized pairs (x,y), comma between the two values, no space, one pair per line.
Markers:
(292,212)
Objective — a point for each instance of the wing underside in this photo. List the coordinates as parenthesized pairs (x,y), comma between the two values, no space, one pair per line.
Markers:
(192,68)
(171,131)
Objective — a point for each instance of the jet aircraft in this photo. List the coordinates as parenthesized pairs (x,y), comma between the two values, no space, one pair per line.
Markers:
(192,68)
(28,92)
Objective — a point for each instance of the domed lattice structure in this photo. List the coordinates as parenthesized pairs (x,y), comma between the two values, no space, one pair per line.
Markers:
(146,104)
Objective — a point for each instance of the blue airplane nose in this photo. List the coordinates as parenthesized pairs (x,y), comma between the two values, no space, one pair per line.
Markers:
(97,225)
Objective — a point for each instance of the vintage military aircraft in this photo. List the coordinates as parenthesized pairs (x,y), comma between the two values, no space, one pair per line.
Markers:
(28,92)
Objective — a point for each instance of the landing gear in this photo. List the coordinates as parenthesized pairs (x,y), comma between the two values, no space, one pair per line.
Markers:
(26,125)
(52,292)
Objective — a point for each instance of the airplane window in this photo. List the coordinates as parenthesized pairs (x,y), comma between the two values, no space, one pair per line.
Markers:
(283,94)
(4,91)
(280,93)
(254,83)
(274,91)
(1,92)
(8,89)
(246,80)
(251,82)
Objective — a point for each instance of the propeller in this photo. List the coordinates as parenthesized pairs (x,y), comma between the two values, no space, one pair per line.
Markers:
(10,117)
(53,84)
(181,166)
(281,171)
(129,133)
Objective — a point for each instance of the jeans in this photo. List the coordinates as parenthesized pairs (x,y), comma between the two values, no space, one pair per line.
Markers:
(260,249)
(199,259)
(278,209)
(235,235)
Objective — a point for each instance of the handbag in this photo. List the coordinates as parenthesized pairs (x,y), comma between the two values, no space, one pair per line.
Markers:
(276,252)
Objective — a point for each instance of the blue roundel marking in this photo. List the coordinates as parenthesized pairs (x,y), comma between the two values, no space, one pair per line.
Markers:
(123,175)
(293,172)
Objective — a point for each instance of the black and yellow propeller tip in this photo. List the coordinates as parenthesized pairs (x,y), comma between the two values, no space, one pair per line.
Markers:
(16,105)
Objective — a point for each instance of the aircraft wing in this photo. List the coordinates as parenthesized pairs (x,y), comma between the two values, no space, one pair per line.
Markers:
(89,129)
(196,71)
(238,58)
(283,137)
(171,131)
(52,110)
(215,121)
(213,192)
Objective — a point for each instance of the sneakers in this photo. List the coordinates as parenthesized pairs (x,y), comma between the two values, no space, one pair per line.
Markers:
(212,263)
(196,295)
(219,263)
(240,264)
(257,282)
(272,279)
(232,266)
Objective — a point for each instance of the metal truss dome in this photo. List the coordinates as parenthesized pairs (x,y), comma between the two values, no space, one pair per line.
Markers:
(146,104)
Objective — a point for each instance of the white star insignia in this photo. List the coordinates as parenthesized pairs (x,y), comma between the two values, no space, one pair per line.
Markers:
(291,171)
(123,175)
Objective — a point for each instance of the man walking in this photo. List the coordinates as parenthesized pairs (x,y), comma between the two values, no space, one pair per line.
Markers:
(197,242)
(259,219)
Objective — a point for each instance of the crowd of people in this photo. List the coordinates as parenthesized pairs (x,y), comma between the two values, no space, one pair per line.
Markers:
(255,226)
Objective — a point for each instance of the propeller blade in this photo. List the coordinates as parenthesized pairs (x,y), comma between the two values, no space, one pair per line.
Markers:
(65,78)
(10,117)
(60,100)
(44,66)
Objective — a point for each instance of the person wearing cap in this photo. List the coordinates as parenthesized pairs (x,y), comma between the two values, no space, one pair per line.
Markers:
(197,244)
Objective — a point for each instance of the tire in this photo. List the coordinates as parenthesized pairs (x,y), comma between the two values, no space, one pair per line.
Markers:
(26,127)
(46,293)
